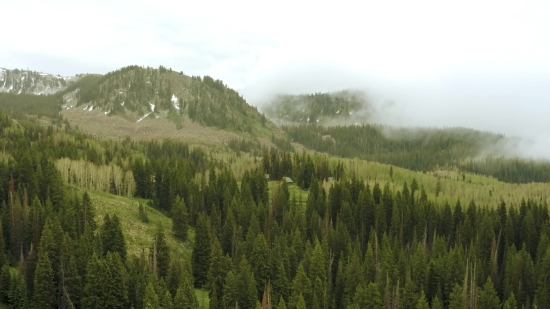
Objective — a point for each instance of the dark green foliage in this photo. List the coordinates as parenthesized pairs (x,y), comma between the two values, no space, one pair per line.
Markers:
(44,285)
(5,280)
(160,254)
(179,218)
(488,297)
(41,105)
(112,237)
(201,252)
(419,149)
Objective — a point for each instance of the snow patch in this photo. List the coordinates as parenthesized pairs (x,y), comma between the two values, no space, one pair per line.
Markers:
(91,108)
(338,112)
(122,103)
(152,107)
(175,102)
(85,108)
(106,112)
(140,119)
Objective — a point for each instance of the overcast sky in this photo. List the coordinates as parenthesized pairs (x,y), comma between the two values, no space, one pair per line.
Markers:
(481,64)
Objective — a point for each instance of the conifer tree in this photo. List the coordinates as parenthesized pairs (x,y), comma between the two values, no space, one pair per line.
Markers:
(542,299)
(200,257)
(44,286)
(5,280)
(488,297)
(510,302)
(179,218)
(160,253)
(422,303)
(150,298)
(457,299)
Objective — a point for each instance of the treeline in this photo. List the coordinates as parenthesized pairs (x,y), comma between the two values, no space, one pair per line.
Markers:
(134,88)
(41,105)
(420,149)
(312,108)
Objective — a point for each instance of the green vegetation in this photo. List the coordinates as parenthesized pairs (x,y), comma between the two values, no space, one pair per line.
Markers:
(318,108)
(18,105)
(88,223)
(421,149)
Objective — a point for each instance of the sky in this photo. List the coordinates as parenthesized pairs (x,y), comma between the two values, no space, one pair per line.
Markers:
(479,64)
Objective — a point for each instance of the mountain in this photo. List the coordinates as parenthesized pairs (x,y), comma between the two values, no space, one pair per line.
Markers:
(134,95)
(31,82)
(343,107)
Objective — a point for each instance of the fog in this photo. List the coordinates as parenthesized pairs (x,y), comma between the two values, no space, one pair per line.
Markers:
(478,64)
(513,103)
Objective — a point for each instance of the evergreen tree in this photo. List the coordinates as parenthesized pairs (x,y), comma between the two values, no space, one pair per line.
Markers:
(422,303)
(488,297)
(44,286)
(150,298)
(201,252)
(5,280)
(542,299)
(179,218)
(457,299)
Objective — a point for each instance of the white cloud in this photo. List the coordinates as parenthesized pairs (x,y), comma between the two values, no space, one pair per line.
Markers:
(477,63)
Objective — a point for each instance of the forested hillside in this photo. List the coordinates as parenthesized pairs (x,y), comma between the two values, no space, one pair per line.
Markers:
(30,82)
(422,149)
(328,240)
(137,92)
(322,108)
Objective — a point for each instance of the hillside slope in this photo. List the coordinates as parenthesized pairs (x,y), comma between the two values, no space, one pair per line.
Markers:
(343,107)
(30,82)
(136,94)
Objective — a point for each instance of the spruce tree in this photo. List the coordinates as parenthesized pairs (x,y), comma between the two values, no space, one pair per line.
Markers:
(488,297)
(44,286)
(5,280)
(200,257)
(179,218)
(422,303)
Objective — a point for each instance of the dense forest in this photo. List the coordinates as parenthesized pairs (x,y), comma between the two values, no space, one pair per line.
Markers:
(329,240)
(421,149)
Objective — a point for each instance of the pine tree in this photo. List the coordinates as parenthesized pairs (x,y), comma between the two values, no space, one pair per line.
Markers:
(488,297)
(160,253)
(200,257)
(150,298)
(5,280)
(260,262)
(301,286)
(510,302)
(44,286)
(301,304)
(179,218)
(457,299)
(542,299)
(422,303)
(281,304)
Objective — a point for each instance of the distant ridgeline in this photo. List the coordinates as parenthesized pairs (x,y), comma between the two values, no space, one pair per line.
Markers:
(146,91)
(318,108)
(421,149)
(30,82)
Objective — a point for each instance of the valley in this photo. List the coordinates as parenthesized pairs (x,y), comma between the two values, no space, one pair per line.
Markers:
(147,188)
